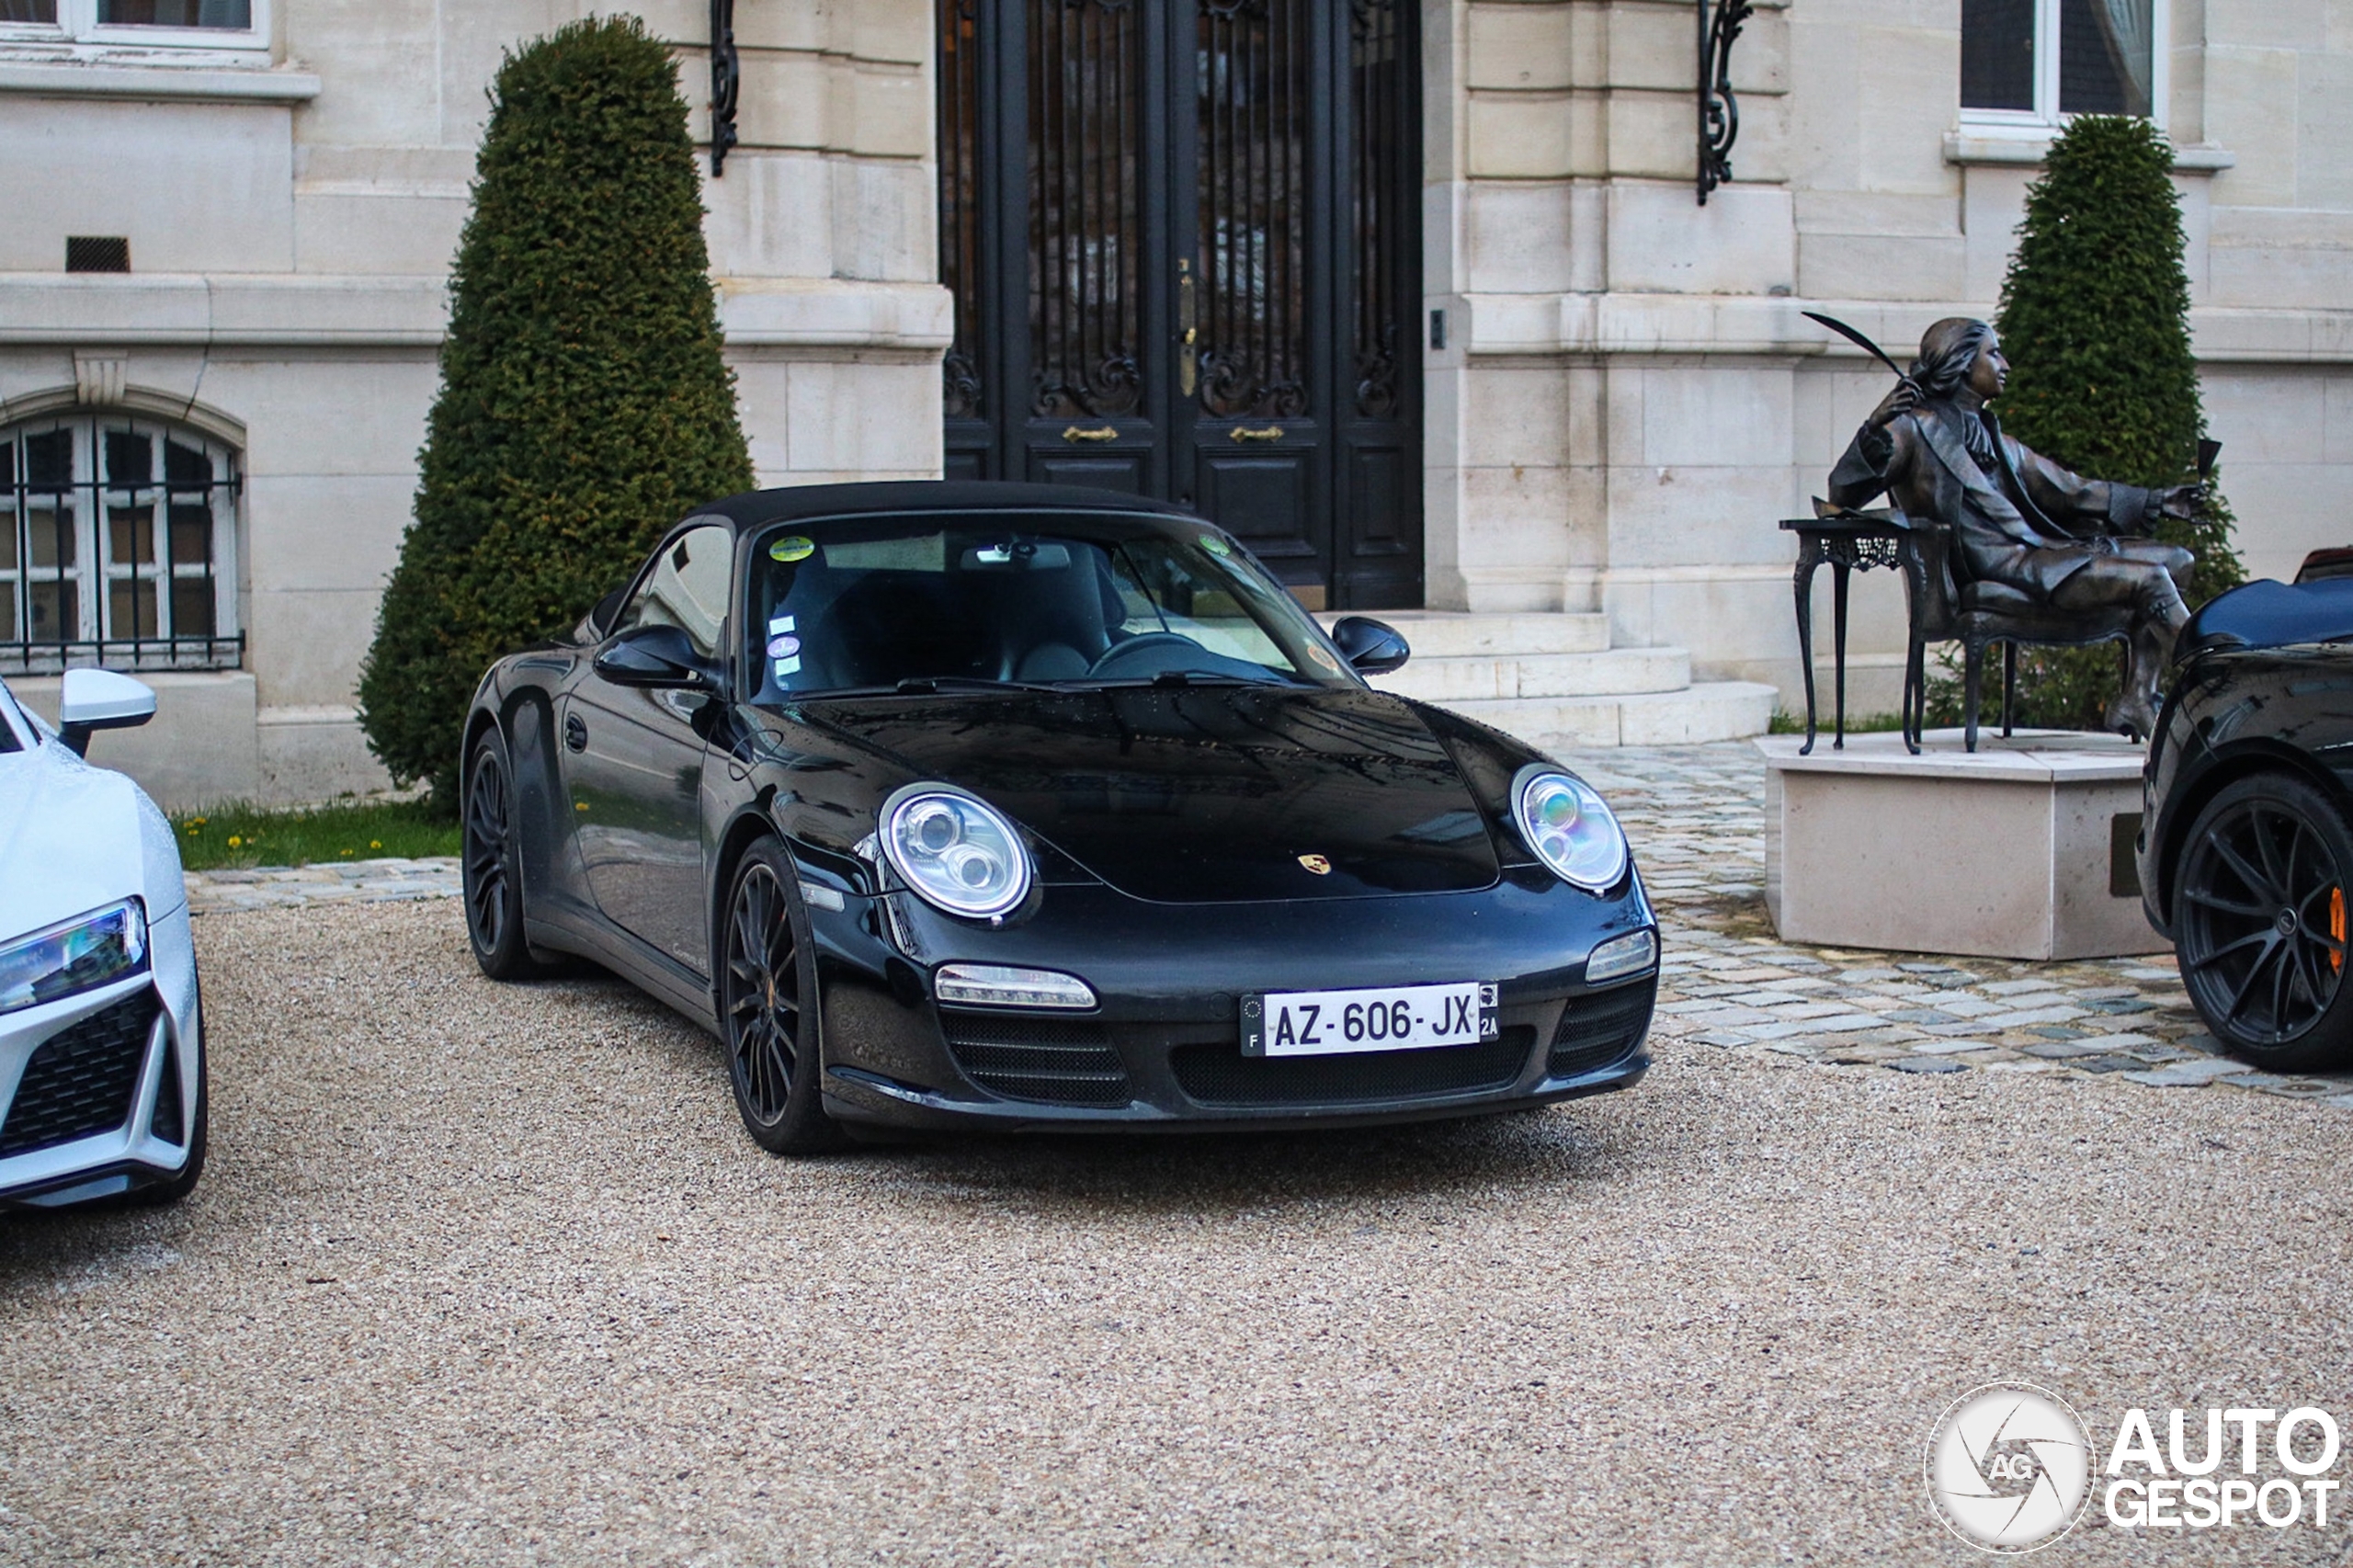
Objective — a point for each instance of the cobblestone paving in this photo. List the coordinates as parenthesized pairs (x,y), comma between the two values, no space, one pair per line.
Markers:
(1696,815)
(344,881)
(1697,818)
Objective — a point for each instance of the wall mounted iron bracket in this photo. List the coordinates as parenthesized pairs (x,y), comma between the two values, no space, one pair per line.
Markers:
(726,77)
(1719,24)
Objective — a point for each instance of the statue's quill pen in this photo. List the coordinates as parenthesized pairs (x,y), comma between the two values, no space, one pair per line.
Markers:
(1848,333)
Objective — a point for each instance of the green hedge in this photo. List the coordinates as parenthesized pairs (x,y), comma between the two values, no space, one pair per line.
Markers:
(583,405)
(2094,318)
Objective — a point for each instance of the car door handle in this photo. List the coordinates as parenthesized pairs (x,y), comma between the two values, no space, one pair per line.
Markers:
(575,733)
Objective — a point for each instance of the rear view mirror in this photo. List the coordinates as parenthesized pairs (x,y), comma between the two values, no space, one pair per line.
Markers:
(1019,556)
(1372,647)
(88,701)
(654,657)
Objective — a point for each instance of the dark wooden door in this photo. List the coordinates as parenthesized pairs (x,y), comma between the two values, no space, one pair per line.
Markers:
(1183,235)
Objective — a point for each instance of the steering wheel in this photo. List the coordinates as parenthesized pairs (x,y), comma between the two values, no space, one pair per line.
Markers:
(1142,642)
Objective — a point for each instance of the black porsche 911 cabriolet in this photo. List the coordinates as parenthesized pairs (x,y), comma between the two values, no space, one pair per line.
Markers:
(959,805)
(2244,850)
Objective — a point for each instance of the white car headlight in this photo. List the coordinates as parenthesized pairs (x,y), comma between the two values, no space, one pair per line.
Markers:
(1569,827)
(954,850)
(80,954)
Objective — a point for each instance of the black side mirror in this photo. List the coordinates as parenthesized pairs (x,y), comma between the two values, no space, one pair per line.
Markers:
(1372,647)
(654,657)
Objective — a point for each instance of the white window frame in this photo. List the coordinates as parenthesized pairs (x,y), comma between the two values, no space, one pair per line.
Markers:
(77,34)
(2039,121)
(94,573)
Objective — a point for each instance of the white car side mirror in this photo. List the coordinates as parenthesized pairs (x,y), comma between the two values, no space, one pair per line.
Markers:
(100,699)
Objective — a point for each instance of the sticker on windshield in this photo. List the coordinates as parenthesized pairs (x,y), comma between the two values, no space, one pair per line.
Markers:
(787,667)
(1215,545)
(792,547)
(783,647)
(779,624)
(1323,658)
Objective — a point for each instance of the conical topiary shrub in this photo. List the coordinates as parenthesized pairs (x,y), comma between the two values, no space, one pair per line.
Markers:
(583,405)
(2095,319)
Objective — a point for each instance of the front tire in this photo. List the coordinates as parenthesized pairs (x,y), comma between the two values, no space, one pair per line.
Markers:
(768,1007)
(494,882)
(2260,922)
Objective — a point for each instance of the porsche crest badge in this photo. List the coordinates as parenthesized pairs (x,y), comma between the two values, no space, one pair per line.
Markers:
(1317,864)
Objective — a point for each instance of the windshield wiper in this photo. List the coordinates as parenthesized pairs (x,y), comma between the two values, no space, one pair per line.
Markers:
(927,686)
(1176,680)
(969,683)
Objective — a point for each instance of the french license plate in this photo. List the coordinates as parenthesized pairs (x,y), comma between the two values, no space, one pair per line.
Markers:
(1394,1018)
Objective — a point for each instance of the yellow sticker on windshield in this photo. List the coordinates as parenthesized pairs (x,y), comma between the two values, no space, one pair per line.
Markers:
(1215,545)
(792,547)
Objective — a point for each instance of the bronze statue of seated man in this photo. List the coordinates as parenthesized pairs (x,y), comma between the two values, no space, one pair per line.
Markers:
(2074,545)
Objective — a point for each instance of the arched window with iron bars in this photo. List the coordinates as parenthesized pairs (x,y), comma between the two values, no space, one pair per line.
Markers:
(118,545)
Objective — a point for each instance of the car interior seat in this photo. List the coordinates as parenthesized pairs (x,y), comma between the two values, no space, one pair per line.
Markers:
(1051,621)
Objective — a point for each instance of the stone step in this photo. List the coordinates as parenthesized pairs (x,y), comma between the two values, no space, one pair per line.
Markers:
(1712,711)
(1447,634)
(1611,673)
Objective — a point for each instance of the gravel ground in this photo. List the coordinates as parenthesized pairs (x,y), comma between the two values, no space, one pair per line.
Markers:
(487,1275)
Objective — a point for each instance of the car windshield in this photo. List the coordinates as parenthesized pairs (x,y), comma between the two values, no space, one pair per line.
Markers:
(922,602)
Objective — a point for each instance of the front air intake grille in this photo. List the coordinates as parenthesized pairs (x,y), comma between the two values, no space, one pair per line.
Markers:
(1024,1057)
(1601,1030)
(165,1121)
(1221,1075)
(81,1080)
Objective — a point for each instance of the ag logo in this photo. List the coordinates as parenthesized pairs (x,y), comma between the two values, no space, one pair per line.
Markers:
(1317,864)
(2008,1467)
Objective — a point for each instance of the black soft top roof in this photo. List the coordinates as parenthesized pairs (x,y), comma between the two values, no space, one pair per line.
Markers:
(2268,613)
(759,508)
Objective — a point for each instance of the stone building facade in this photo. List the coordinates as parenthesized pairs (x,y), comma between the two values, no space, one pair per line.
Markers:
(231,222)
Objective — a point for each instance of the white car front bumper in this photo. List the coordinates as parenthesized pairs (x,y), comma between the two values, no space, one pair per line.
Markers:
(82,1122)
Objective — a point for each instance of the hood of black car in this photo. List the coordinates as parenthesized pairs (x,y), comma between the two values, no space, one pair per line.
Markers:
(1201,794)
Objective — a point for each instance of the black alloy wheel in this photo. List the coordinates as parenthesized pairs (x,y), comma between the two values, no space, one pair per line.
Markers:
(494,889)
(2259,922)
(768,1007)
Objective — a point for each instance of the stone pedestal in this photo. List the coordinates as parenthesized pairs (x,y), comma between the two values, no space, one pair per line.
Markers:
(2021,850)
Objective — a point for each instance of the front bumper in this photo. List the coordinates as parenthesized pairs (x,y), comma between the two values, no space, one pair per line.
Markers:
(1162,1048)
(98,1091)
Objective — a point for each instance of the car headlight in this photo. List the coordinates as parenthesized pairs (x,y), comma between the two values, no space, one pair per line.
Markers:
(79,955)
(1569,827)
(954,850)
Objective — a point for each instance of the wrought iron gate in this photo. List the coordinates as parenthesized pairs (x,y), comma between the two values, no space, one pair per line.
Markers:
(1183,238)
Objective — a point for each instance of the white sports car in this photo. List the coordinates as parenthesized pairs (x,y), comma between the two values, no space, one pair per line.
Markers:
(102,1080)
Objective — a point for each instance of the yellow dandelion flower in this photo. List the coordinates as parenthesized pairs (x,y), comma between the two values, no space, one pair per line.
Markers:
(375,844)
(235,843)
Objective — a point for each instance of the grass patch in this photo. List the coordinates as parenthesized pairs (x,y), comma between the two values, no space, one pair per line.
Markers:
(1788,724)
(238,837)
